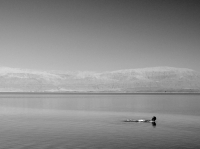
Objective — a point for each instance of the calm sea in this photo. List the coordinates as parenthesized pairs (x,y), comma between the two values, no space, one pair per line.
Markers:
(65,121)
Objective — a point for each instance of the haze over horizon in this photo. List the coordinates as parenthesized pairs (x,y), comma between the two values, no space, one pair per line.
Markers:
(99,35)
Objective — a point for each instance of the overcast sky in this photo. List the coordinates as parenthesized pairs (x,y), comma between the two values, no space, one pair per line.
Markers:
(99,35)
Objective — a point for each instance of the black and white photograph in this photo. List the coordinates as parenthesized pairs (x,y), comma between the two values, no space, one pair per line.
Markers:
(99,74)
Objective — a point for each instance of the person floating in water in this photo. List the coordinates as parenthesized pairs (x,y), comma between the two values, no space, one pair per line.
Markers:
(153,120)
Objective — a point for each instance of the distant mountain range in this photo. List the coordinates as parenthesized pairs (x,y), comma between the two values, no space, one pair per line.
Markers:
(156,79)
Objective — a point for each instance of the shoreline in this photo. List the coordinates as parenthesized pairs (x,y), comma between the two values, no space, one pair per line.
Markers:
(107,93)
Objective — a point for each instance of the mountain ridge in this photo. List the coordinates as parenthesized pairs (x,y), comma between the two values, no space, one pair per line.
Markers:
(152,79)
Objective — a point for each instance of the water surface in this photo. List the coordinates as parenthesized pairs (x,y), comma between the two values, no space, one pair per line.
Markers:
(96,121)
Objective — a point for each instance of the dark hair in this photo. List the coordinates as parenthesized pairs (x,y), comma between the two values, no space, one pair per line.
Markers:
(153,118)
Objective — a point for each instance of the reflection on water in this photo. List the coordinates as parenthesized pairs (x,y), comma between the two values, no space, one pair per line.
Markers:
(154,124)
(175,104)
(96,121)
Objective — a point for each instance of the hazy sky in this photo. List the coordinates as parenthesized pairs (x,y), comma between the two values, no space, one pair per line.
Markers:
(99,35)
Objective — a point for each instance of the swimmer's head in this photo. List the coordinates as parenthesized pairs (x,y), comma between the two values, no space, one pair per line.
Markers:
(153,118)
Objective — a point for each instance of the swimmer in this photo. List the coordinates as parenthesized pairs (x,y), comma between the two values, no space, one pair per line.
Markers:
(153,120)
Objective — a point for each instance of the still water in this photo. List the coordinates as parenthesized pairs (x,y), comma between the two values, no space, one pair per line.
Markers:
(65,121)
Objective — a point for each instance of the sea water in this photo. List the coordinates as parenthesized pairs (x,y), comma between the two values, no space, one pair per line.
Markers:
(64,121)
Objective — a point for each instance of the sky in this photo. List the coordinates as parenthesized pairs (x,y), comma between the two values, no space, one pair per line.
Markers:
(99,35)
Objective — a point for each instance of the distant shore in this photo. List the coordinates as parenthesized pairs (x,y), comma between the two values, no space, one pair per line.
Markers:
(124,93)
